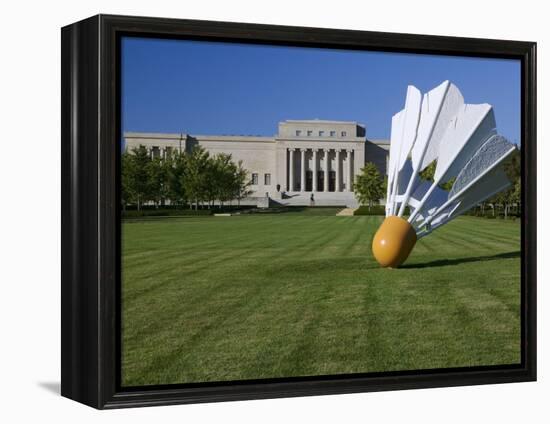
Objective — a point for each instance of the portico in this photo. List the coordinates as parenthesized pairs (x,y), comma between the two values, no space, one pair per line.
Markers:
(320,169)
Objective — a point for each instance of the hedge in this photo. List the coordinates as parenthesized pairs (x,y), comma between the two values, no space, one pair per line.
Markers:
(374,210)
(488,213)
(381,210)
(166,212)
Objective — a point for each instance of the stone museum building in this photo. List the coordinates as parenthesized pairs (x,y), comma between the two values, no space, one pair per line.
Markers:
(304,157)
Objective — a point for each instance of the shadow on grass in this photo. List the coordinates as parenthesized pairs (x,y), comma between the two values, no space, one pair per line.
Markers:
(458,261)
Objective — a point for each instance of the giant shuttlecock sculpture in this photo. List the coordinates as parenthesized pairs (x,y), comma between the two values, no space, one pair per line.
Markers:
(462,139)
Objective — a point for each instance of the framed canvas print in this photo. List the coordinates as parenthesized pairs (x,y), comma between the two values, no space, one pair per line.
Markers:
(253,211)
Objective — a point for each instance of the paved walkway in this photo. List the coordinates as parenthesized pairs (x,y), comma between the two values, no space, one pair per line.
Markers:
(346,212)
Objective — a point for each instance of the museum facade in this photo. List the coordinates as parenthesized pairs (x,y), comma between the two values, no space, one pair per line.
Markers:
(305,157)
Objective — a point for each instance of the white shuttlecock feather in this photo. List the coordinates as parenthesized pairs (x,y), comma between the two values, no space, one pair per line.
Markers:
(463,141)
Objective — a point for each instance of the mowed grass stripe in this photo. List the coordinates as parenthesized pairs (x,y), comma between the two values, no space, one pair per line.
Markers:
(462,229)
(294,295)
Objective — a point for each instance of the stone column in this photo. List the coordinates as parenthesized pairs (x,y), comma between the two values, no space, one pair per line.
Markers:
(314,181)
(303,170)
(350,171)
(337,188)
(326,170)
(291,170)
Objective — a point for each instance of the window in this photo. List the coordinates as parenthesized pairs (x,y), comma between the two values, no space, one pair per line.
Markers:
(155,152)
(254,179)
(321,133)
(298,133)
(344,134)
(267,179)
(333,133)
(309,133)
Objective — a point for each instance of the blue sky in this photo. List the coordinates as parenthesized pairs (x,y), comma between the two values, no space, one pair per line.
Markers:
(199,87)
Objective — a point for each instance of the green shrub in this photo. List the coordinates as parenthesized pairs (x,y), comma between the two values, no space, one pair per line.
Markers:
(301,210)
(165,212)
(374,210)
(151,207)
(489,214)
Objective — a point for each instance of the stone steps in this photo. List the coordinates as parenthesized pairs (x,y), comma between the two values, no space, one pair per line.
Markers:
(346,199)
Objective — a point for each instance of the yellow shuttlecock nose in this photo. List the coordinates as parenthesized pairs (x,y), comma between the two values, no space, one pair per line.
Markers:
(393,242)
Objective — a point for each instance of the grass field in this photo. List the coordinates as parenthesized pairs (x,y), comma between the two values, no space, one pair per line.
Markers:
(299,294)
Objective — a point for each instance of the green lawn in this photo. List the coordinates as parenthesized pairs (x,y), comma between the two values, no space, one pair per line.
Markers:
(294,294)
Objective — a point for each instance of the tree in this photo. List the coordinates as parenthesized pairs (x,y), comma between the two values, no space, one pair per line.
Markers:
(512,167)
(194,178)
(369,185)
(241,183)
(126,176)
(137,175)
(175,169)
(516,194)
(195,175)
(157,175)
(512,195)
(223,173)
(212,180)
(429,172)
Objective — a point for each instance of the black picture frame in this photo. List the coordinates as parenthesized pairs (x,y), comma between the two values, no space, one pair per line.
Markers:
(90,134)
